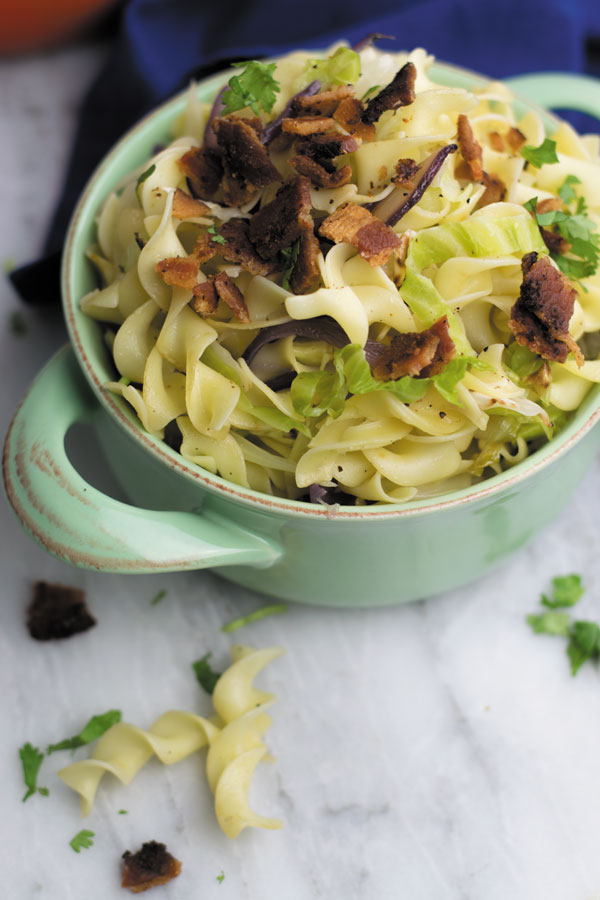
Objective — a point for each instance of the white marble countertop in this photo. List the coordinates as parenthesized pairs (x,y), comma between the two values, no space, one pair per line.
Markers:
(434,751)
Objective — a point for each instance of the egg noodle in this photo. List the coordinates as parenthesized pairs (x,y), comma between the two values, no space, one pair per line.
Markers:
(307,416)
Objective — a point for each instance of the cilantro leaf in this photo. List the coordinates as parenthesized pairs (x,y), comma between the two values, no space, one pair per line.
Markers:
(31,760)
(205,675)
(158,597)
(255,86)
(567,591)
(549,623)
(566,192)
(94,729)
(216,238)
(578,230)
(82,840)
(584,644)
(221,877)
(538,156)
(145,175)
(289,256)
(254,616)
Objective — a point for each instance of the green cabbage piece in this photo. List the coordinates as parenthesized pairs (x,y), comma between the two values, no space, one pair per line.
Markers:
(475,238)
(316,393)
(342,67)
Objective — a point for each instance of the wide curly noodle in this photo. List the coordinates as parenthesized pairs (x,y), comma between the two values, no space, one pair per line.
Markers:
(233,737)
(463,262)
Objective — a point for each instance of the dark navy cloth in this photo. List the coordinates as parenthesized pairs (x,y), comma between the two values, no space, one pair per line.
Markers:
(161,43)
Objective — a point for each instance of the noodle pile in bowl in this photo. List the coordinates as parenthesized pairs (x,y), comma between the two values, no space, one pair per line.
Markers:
(346,283)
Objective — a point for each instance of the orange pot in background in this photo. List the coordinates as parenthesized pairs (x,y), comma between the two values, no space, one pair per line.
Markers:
(36,24)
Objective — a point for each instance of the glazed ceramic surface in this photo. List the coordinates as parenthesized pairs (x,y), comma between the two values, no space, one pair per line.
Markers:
(181,517)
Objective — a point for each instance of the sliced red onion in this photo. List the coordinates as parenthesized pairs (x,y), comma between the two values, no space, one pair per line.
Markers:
(281,382)
(370,39)
(391,209)
(273,128)
(373,350)
(210,138)
(320,328)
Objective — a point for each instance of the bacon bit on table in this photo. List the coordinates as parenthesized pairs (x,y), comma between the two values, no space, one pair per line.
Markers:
(57,612)
(150,866)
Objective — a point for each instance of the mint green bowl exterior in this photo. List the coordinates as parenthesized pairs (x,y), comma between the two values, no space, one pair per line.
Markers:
(182,517)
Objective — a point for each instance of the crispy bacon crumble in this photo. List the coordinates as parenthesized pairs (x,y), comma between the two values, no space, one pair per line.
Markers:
(150,866)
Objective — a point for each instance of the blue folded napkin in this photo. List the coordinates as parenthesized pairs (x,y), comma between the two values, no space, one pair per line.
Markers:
(160,44)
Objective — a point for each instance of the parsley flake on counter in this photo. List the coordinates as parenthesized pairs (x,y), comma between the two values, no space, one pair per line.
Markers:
(583,637)
(145,175)
(94,729)
(254,616)
(31,760)
(82,840)
(8,265)
(539,156)
(254,86)
(158,597)
(221,877)
(216,238)
(567,591)
(205,676)
(584,644)
(123,812)
(549,623)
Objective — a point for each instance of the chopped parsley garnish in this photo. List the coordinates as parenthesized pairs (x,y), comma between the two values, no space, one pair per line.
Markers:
(584,644)
(145,175)
(583,637)
(31,760)
(582,258)
(289,257)
(158,597)
(221,877)
(94,729)
(123,812)
(206,677)
(254,616)
(82,840)
(44,792)
(16,324)
(216,238)
(253,88)
(549,623)
(567,590)
(566,192)
(539,156)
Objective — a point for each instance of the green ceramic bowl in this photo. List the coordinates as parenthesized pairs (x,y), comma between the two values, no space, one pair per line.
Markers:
(182,517)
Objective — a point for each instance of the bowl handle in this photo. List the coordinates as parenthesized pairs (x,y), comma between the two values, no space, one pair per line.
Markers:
(560,90)
(82,526)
